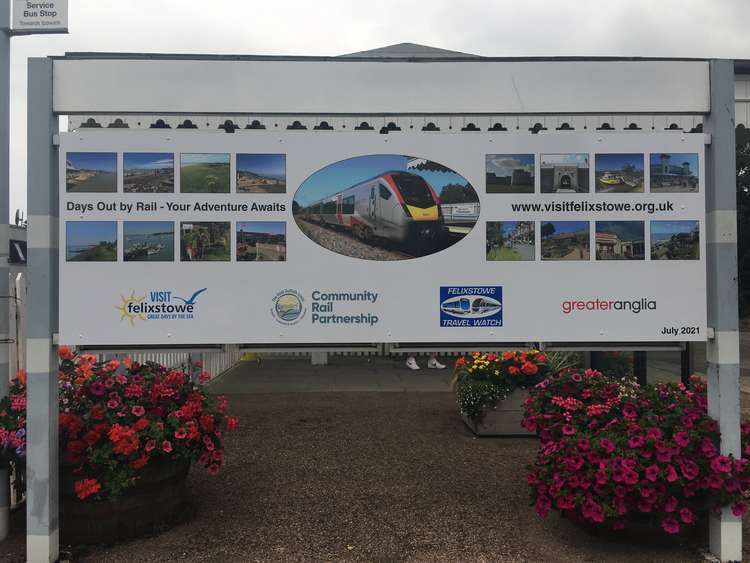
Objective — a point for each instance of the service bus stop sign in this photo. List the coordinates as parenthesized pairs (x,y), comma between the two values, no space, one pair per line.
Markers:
(50,16)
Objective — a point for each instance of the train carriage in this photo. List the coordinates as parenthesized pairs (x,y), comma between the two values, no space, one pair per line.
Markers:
(395,206)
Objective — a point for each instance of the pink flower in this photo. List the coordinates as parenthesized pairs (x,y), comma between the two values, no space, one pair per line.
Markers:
(166,445)
(652,472)
(542,506)
(138,410)
(213,469)
(112,404)
(635,441)
(670,525)
(682,439)
(670,505)
(671,474)
(150,445)
(721,464)
(568,430)
(607,445)
(653,434)
(180,433)
(739,508)
(686,515)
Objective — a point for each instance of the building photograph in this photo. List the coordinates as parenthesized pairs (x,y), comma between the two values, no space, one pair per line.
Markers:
(261,241)
(565,240)
(509,173)
(620,240)
(675,240)
(674,172)
(564,173)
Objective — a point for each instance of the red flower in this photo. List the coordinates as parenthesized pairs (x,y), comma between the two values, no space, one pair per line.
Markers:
(150,445)
(529,368)
(180,433)
(721,464)
(138,410)
(141,424)
(739,508)
(140,462)
(670,525)
(166,446)
(686,515)
(232,423)
(87,487)
(652,472)
(65,353)
(213,469)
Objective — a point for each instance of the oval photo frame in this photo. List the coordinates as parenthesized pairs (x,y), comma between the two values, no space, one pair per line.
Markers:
(386,207)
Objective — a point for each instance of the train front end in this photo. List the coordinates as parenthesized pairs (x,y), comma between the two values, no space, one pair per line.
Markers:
(423,219)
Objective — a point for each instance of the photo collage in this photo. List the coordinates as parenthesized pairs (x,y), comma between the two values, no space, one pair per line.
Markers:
(154,241)
(572,174)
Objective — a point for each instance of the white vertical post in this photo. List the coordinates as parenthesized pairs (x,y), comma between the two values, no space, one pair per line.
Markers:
(4,244)
(42,542)
(723,351)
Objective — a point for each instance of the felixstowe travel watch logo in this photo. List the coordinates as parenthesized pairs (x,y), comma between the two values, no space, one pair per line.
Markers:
(158,305)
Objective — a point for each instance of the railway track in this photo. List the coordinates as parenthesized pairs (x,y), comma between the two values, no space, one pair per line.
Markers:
(344,243)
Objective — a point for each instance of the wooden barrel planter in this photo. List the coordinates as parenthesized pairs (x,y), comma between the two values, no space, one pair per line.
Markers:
(504,419)
(154,503)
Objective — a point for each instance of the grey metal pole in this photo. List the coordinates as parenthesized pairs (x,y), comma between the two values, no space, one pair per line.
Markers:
(4,248)
(723,350)
(42,542)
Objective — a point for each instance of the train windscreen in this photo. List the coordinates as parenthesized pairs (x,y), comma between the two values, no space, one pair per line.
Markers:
(414,190)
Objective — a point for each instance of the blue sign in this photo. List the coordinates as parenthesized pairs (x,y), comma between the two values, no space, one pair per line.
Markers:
(470,306)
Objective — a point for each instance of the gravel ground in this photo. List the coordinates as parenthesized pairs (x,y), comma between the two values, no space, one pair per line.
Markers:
(346,244)
(366,477)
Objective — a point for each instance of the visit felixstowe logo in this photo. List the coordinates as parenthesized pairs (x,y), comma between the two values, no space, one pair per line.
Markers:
(471,306)
(158,306)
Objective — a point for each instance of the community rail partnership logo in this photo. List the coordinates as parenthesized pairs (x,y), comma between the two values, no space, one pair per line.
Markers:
(288,307)
(471,306)
(635,306)
(158,306)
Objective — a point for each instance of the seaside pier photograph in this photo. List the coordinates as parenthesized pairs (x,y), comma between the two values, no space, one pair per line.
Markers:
(91,172)
(148,241)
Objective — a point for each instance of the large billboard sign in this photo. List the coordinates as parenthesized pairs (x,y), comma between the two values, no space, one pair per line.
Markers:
(186,237)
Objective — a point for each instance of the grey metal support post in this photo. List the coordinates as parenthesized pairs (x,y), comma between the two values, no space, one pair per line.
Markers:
(42,543)
(4,244)
(723,349)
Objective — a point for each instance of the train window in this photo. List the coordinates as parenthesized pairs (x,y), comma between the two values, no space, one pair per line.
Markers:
(329,208)
(385,193)
(347,205)
(415,190)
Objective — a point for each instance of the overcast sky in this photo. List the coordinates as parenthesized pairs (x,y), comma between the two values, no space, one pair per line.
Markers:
(653,28)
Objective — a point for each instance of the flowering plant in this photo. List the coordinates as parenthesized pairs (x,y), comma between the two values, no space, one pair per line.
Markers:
(613,453)
(119,417)
(13,422)
(481,380)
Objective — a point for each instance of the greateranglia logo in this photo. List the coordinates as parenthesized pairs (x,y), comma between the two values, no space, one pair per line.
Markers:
(158,305)
(471,306)
(288,306)
(634,306)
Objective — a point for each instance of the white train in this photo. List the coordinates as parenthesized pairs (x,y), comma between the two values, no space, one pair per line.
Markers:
(396,206)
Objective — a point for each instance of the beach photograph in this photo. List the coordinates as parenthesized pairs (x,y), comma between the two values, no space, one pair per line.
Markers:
(261,241)
(675,240)
(674,172)
(148,172)
(91,241)
(564,173)
(510,240)
(620,240)
(565,240)
(204,173)
(509,173)
(619,173)
(91,172)
(386,207)
(148,241)
(261,173)
(205,241)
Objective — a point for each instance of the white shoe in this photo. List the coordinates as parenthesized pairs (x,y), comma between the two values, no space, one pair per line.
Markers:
(411,363)
(434,364)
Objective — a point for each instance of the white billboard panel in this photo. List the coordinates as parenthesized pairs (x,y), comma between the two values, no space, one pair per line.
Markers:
(185,237)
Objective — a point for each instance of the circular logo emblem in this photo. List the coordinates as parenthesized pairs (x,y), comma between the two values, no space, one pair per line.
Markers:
(288,307)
